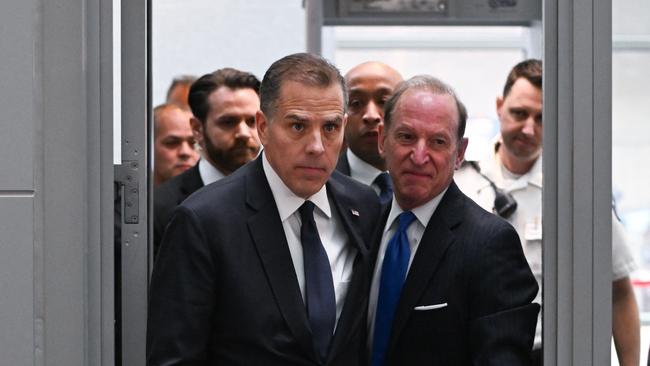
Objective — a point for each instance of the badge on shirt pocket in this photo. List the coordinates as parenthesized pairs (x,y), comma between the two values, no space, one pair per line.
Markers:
(533,230)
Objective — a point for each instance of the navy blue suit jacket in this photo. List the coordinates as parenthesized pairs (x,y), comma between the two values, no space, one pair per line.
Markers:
(169,195)
(224,290)
(343,165)
(472,261)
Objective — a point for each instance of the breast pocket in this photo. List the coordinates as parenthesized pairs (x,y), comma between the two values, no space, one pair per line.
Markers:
(430,307)
(431,320)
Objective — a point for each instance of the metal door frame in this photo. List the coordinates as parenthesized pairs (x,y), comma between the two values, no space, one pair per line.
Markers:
(133,255)
(577,180)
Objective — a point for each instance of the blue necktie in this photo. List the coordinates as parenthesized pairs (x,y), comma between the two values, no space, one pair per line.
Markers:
(385,187)
(319,287)
(393,274)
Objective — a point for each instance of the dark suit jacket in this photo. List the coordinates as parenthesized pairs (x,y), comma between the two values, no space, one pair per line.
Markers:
(169,195)
(471,260)
(224,289)
(343,165)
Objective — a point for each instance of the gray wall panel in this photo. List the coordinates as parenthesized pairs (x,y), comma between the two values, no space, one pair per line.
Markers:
(65,153)
(56,207)
(16,281)
(135,149)
(17,102)
(577,183)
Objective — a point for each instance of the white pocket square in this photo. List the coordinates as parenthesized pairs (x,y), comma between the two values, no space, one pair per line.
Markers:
(430,307)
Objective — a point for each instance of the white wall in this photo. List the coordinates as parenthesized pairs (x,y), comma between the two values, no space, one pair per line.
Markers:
(473,60)
(200,36)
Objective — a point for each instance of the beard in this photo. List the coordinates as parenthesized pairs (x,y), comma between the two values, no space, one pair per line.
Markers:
(230,159)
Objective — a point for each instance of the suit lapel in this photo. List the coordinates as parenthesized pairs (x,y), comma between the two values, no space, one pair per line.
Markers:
(356,294)
(377,236)
(348,212)
(343,165)
(191,182)
(268,235)
(435,241)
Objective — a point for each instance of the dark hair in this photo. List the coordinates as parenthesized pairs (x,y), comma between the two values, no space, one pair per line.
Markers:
(427,83)
(530,70)
(206,84)
(303,68)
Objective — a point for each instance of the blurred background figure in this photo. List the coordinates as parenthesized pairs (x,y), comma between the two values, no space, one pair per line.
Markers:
(174,150)
(179,91)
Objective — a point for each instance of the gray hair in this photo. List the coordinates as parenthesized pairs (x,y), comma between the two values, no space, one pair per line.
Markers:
(427,83)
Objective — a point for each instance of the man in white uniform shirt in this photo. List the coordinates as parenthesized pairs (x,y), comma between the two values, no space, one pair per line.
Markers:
(269,266)
(514,165)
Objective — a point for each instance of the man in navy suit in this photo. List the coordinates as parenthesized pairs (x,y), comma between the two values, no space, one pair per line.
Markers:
(451,285)
(269,266)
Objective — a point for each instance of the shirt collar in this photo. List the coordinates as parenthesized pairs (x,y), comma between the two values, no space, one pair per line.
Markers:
(535,172)
(423,212)
(360,170)
(288,202)
(209,174)
(491,166)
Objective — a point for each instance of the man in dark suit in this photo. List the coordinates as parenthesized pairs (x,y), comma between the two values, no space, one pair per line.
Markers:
(369,84)
(269,266)
(223,104)
(451,284)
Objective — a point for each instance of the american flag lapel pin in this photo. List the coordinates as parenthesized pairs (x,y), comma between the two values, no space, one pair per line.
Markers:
(354,212)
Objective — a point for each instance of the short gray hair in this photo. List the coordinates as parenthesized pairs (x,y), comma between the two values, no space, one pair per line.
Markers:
(427,83)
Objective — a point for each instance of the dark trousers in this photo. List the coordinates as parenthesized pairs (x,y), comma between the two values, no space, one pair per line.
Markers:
(536,357)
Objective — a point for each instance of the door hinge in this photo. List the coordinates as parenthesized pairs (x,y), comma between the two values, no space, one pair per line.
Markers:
(126,175)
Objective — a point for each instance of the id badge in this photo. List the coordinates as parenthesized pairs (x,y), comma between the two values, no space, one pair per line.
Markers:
(533,229)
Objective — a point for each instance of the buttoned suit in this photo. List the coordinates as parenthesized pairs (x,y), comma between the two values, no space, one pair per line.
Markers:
(467,296)
(224,290)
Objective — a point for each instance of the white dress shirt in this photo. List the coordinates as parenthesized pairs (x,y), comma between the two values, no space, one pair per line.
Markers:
(414,233)
(340,253)
(362,171)
(209,174)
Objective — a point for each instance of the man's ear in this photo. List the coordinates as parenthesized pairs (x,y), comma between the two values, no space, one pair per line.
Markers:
(499,105)
(197,130)
(381,140)
(460,157)
(262,126)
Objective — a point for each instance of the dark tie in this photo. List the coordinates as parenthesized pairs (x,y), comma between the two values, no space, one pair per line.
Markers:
(385,187)
(319,287)
(393,274)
